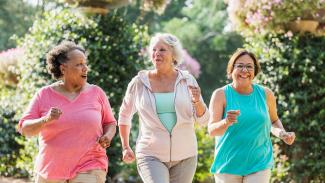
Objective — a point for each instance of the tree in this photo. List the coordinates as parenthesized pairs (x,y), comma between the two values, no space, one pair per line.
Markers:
(15,18)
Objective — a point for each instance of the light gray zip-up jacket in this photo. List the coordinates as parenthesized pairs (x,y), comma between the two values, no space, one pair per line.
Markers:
(154,139)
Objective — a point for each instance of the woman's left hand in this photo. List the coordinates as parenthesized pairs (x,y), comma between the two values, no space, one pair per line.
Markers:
(104,141)
(195,93)
(288,137)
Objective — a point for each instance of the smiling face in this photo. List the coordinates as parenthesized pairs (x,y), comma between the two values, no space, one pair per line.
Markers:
(75,69)
(162,55)
(243,70)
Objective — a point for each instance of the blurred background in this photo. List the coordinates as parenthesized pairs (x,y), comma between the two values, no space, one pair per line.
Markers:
(288,36)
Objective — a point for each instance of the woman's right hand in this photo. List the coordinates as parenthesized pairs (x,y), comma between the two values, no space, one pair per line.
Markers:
(231,116)
(53,114)
(128,155)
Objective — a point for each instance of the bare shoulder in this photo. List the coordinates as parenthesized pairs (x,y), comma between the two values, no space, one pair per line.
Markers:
(218,95)
(269,94)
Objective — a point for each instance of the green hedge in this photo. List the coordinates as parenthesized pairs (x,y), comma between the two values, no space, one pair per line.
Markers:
(113,47)
(9,150)
(293,67)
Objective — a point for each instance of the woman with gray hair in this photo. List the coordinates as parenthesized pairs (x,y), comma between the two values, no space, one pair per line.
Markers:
(168,102)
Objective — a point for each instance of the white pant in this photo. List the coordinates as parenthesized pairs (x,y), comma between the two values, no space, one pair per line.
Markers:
(91,176)
(257,177)
(152,170)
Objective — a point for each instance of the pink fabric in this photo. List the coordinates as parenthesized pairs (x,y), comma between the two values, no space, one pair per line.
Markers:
(69,145)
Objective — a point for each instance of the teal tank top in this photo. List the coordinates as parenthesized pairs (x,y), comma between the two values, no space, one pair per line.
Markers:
(166,109)
(246,146)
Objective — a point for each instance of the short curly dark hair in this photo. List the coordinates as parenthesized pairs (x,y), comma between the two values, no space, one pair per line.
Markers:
(59,55)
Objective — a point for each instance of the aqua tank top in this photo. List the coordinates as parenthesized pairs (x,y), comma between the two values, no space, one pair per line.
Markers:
(166,109)
(246,146)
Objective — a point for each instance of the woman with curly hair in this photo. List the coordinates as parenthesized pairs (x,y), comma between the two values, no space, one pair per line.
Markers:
(73,120)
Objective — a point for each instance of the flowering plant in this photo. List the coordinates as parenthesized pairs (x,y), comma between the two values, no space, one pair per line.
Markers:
(9,61)
(262,16)
(190,64)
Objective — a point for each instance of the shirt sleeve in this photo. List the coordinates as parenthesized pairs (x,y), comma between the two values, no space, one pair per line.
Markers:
(204,119)
(128,108)
(32,111)
(107,113)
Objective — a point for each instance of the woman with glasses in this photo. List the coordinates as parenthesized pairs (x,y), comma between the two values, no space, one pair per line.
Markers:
(242,115)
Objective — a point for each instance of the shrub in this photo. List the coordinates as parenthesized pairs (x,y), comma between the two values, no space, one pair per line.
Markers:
(9,150)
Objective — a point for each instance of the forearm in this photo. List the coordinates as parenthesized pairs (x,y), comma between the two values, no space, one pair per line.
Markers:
(33,127)
(277,128)
(109,130)
(124,131)
(218,128)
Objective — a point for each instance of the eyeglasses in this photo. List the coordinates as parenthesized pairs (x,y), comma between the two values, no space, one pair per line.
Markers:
(242,66)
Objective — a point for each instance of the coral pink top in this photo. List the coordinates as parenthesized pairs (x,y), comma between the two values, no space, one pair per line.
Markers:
(69,145)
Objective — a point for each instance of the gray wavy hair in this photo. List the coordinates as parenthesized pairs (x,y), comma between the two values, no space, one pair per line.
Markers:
(173,42)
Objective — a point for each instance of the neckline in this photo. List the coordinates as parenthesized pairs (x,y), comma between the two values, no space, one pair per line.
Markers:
(240,94)
(66,98)
(148,83)
(163,93)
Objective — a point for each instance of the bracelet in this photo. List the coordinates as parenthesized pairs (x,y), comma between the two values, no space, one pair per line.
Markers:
(124,148)
(44,120)
(225,122)
(281,134)
(195,103)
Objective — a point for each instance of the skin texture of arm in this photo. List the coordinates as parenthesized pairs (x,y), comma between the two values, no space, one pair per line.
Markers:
(196,100)
(127,154)
(277,127)
(33,127)
(109,131)
(217,126)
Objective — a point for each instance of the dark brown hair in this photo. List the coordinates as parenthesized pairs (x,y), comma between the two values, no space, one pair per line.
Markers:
(238,53)
(59,55)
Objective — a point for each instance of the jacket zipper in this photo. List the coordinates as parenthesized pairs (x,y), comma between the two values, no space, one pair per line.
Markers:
(170,134)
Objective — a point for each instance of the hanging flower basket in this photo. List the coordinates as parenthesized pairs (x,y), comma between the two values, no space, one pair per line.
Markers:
(97,6)
(275,16)
(304,26)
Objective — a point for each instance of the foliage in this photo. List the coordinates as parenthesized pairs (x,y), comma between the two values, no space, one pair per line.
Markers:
(113,51)
(9,150)
(293,67)
(208,41)
(205,156)
(281,165)
(264,16)
(153,20)
(15,18)
(156,5)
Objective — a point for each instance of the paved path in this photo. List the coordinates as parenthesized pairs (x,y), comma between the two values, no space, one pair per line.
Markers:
(11,180)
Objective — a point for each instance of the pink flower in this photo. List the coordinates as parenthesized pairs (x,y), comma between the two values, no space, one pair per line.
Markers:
(10,53)
(289,35)
(277,1)
(190,64)
(9,61)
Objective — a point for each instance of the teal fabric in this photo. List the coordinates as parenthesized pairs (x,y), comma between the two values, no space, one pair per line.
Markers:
(166,109)
(246,146)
